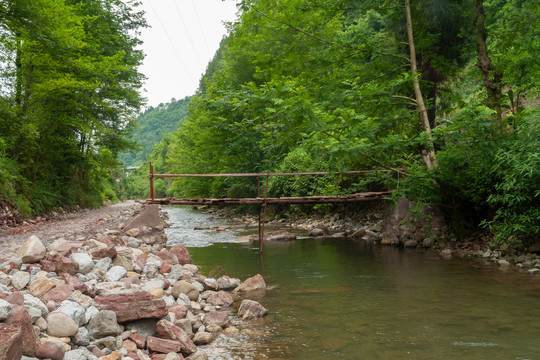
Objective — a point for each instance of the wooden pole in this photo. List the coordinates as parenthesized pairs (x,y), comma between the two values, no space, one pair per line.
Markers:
(264,214)
(152,182)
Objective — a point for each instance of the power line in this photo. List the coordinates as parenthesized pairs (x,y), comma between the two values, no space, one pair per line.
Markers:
(201,28)
(187,33)
(172,43)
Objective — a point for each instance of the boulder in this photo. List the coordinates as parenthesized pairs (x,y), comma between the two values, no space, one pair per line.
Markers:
(316,232)
(134,306)
(20,318)
(220,298)
(250,309)
(84,261)
(58,293)
(50,350)
(10,342)
(5,309)
(163,346)
(183,287)
(226,283)
(59,264)
(219,318)
(74,311)
(20,279)
(182,254)
(61,325)
(279,235)
(32,250)
(115,273)
(104,324)
(167,330)
(40,286)
(203,338)
(254,283)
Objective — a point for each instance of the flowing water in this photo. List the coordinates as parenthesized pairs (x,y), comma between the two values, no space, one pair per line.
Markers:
(345,299)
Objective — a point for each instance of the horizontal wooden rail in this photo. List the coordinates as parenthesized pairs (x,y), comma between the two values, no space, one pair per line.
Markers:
(270,174)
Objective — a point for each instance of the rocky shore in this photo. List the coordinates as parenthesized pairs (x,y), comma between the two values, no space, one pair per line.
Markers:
(117,294)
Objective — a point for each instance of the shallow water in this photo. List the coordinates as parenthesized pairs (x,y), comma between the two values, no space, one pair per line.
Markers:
(345,299)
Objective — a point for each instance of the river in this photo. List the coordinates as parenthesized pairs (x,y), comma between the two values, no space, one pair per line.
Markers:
(336,298)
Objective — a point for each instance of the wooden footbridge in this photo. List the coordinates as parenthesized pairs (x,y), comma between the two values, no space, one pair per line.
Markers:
(263,201)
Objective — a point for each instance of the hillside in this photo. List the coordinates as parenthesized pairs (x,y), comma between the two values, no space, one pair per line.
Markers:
(152,125)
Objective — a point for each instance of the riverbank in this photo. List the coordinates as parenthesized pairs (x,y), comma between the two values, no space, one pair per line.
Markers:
(117,293)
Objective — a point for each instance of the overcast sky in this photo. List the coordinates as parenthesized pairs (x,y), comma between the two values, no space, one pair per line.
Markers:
(182,39)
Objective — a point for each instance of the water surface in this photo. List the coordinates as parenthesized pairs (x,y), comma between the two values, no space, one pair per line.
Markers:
(344,299)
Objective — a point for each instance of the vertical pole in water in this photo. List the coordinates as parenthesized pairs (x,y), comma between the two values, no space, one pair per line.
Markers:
(258,196)
(152,183)
(264,214)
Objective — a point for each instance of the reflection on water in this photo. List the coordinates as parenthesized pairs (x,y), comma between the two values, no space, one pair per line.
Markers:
(345,299)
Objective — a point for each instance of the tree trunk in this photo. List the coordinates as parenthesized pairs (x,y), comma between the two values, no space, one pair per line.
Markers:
(429,155)
(491,77)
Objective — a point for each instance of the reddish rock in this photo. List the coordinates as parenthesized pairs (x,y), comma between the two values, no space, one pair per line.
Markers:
(219,318)
(130,307)
(179,310)
(58,294)
(164,356)
(77,284)
(165,268)
(109,251)
(132,280)
(129,345)
(139,261)
(220,298)
(255,283)
(10,342)
(139,340)
(16,298)
(50,350)
(181,253)
(3,296)
(250,309)
(63,249)
(60,264)
(163,346)
(169,331)
(20,318)
(167,257)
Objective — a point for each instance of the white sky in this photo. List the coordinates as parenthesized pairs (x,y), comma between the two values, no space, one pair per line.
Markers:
(182,38)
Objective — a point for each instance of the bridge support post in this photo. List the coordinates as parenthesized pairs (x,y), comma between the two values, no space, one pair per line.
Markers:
(151,182)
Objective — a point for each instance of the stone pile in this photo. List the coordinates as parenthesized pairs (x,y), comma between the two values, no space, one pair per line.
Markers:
(117,295)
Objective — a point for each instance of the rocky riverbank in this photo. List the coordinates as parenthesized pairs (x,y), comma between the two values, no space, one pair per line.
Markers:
(116,294)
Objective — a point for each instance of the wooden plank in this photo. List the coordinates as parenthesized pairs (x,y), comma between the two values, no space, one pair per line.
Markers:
(284,200)
(273,174)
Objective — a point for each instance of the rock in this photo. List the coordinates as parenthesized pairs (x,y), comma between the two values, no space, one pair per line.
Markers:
(58,293)
(203,338)
(101,253)
(279,235)
(10,342)
(250,309)
(19,318)
(427,242)
(503,263)
(5,309)
(316,232)
(130,307)
(50,350)
(226,283)
(231,331)
(133,232)
(129,345)
(32,301)
(163,346)
(199,355)
(124,258)
(138,340)
(182,254)
(167,257)
(40,286)
(20,279)
(410,243)
(82,338)
(191,268)
(167,330)
(219,318)
(220,298)
(80,354)
(32,250)
(255,283)
(61,325)
(84,261)
(115,355)
(59,264)
(115,273)
(533,271)
(16,298)
(173,356)
(183,287)
(74,311)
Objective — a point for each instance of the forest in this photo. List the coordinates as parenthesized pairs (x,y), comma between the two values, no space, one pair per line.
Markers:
(443,93)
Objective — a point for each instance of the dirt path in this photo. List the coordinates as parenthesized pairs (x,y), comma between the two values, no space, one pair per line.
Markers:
(69,226)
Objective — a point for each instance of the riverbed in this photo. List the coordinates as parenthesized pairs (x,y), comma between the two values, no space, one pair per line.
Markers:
(338,298)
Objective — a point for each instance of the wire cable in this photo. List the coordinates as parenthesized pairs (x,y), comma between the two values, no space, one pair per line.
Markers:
(187,33)
(201,28)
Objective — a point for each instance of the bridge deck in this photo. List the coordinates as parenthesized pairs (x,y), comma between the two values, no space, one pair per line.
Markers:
(368,196)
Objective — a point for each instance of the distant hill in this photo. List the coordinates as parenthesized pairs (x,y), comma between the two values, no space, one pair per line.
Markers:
(153,123)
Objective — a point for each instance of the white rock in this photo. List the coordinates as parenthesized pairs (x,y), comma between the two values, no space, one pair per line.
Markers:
(74,311)
(5,309)
(20,279)
(115,273)
(32,250)
(86,264)
(32,301)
